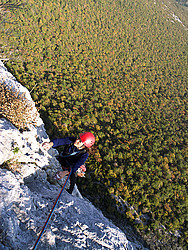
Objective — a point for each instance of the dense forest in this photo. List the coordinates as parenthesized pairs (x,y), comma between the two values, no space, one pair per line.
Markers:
(116,68)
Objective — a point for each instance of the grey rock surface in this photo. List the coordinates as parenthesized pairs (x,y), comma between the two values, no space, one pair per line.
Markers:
(75,224)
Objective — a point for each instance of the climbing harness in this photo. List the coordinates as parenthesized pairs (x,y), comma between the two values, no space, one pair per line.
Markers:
(65,154)
(68,155)
(53,208)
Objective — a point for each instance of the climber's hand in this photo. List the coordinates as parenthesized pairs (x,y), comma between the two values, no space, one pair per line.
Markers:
(47,145)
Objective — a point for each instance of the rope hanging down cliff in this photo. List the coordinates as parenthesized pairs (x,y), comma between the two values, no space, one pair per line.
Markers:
(53,208)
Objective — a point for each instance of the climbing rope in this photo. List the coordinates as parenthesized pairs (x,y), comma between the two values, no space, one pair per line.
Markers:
(53,208)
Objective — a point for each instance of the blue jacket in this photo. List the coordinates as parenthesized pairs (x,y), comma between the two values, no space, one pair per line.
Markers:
(74,162)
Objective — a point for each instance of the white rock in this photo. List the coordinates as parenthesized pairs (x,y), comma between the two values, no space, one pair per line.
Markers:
(76,223)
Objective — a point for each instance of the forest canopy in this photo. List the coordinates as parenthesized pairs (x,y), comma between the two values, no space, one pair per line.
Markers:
(119,70)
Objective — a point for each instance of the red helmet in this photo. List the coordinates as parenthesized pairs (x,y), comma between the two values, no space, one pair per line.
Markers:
(88,139)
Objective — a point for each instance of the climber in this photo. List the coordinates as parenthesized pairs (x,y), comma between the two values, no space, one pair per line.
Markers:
(73,156)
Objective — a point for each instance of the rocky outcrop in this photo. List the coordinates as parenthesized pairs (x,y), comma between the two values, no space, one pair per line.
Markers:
(75,224)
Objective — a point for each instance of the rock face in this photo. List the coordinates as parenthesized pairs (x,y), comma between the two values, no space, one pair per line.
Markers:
(27,197)
(75,224)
